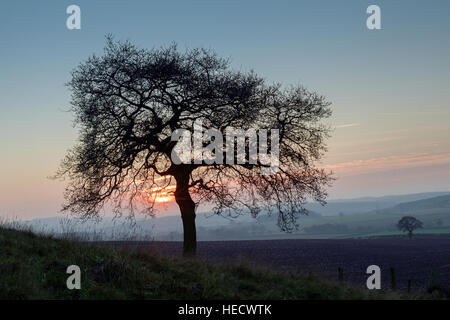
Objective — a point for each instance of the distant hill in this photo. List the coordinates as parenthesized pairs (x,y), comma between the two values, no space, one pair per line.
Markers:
(398,198)
(432,205)
(368,204)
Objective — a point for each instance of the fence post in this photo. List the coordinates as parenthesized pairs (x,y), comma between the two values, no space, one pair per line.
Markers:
(433,275)
(341,274)
(393,280)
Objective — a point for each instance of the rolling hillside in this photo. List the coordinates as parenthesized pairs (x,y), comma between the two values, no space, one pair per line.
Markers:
(439,204)
(368,204)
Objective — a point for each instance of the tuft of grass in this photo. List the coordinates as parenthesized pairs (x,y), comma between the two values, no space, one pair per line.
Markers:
(34,267)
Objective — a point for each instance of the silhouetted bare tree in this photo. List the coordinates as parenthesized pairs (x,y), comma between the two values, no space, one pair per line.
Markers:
(129,101)
(409,224)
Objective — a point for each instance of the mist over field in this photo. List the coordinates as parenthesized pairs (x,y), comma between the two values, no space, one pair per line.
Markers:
(361,217)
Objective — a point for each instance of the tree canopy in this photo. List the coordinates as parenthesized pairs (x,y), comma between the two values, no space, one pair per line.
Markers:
(409,224)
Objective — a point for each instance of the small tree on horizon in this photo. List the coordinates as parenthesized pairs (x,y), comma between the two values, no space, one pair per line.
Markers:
(409,224)
(128,103)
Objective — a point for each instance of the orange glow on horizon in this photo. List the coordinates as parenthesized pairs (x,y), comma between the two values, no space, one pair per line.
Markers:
(163,199)
(161,194)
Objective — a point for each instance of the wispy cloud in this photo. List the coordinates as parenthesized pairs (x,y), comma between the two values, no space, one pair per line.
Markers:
(389,163)
(348,125)
(418,113)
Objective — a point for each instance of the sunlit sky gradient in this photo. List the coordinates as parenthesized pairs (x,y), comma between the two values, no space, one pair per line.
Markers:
(389,87)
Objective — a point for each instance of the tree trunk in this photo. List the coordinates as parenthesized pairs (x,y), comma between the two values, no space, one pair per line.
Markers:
(187,209)
(410,234)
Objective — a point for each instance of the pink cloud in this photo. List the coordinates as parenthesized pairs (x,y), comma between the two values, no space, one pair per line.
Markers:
(381,164)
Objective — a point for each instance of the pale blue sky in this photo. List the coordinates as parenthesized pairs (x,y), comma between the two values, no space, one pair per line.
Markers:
(389,87)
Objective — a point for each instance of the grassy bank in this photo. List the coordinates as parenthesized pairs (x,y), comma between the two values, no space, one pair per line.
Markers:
(34,267)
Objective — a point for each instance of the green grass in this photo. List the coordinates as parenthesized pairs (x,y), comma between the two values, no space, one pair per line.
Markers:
(422,232)
(34,267)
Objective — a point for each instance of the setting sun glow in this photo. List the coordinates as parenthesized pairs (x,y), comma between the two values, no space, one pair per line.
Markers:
(163,198)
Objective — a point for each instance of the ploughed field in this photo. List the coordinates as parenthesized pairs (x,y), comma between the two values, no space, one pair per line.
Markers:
(422,260)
